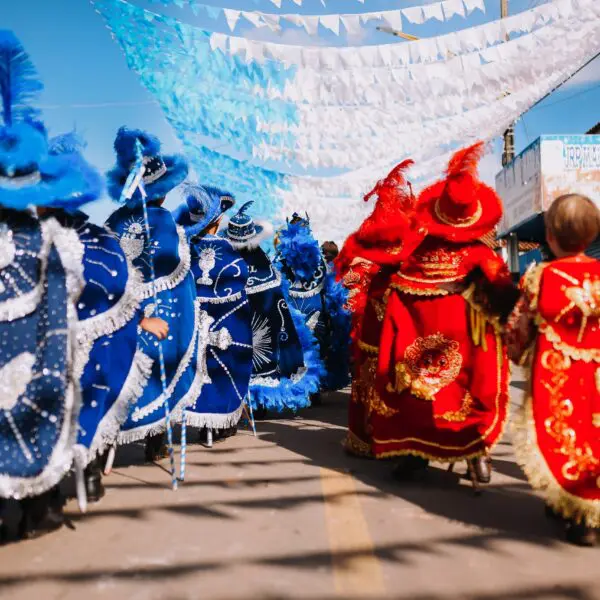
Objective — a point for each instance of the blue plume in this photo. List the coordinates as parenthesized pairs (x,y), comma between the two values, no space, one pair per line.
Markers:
(67,143)
(19,82)
(299,250)
(245,207)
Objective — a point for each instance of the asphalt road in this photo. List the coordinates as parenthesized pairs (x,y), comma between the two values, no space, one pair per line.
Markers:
(288,515)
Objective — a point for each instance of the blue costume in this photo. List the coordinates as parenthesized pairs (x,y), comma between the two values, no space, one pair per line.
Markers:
(286,368)
(314,292)
(168,252)
(220,274)
(39,405)
(112,373)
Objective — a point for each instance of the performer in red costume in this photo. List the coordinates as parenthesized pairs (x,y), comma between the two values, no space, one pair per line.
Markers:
(442,366)
(368,259)
(557,324)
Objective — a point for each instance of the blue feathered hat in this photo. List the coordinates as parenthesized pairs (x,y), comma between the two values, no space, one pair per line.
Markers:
(244,232)
(161,174)
(204,205)
(29,175)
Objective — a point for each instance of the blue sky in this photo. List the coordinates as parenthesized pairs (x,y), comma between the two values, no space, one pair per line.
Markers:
(88,85)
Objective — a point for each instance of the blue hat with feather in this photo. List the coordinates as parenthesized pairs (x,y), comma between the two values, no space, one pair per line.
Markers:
(29,175)
(161,173)
(244,232)
(204,205)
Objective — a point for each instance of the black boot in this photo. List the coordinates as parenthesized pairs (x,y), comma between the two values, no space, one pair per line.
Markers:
(482,468)
(410,468)
(156,448)
(260,413)
(581,535)
(41,515)
(93,481)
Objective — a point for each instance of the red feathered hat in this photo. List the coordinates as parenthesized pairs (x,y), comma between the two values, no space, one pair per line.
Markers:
(389,232)
(460,208)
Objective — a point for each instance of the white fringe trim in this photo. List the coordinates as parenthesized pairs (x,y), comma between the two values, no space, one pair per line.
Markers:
(220,299)
(118,315)
(168,282)
(214,420)
(107,432)
(268,285)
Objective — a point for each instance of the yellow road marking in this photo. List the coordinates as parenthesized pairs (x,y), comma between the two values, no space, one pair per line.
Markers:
(356,569)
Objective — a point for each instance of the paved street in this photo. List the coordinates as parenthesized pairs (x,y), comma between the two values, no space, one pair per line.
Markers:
(289,515)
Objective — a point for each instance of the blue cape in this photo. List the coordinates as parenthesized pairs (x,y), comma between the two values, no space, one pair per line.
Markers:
(38,420)
(174,285)
(286,367)
(221,274)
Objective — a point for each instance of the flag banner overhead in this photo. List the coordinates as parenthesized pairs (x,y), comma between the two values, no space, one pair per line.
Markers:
(312,127)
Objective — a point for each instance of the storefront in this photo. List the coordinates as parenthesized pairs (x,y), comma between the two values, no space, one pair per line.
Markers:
(551,166)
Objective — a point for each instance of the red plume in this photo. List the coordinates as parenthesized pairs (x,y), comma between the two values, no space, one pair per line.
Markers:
(466,161)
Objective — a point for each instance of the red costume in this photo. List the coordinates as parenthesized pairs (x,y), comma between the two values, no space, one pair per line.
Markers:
(557,437)
(442,371)
(365,264)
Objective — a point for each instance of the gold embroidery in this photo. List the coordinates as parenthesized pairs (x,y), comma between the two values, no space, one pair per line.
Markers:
(430,280)
(564,275)
(585,354)
(531,283)
(430,291)
(379,307)
(366,392)
(596,419)
(351,278)
(585,296)
(440,262)
(356,446)
(454,222)
(459,416)
(580,459)
(368,348)
(430,364)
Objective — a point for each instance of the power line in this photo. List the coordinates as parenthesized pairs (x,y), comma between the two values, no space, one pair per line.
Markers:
(591,89)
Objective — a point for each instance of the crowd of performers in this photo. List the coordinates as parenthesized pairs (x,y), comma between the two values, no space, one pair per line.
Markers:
(113,334)
(436,318)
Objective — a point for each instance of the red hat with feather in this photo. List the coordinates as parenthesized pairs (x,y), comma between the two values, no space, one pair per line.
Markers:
(460,208)
(389,232)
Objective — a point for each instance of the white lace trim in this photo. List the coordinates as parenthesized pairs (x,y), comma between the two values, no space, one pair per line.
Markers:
(307,294)
(118,315)
(220,299)
(214,420)
(263,287)
(273,383)
(168,282)
(132,390)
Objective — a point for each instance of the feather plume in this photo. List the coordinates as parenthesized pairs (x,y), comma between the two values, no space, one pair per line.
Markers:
(67,143)
(19,82)
(245,207)
(465,161)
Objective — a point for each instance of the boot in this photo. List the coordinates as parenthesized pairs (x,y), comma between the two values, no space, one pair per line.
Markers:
(481,466)
(93,481)
(581,535)
(41,515)
(260,413)
(156,448)
(411,468)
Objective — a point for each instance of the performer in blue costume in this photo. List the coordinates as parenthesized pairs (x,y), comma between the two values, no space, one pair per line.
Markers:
(175,318)
(221,275)
(112,372)
(285,365)
(38,402)
(314,291)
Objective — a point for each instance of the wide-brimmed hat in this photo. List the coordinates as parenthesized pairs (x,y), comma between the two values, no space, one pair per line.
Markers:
(203,206)
(460,208)
(243,231)
(161,174)
(29,174)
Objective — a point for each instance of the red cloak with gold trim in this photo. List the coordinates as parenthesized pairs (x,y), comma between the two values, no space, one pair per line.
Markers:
(557,437)
(443,372)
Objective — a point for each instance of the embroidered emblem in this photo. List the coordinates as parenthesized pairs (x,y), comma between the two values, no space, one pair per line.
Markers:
(261,342)
(379,307)
(132,241)
(351,278)
(206,263)
(579,458)
(430,364)
(440,262)
(459,416)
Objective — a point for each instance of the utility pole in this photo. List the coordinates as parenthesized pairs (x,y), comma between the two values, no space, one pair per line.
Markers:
(509,135)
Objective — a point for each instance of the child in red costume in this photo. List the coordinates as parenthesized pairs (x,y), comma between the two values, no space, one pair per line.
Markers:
(367,260)
(442,367)
(556,325)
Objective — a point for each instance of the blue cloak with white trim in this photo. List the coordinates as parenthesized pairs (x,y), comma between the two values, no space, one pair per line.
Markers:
(113,371)
(184,348)
(286,367)
(314,292)
(221,274)
(38,401)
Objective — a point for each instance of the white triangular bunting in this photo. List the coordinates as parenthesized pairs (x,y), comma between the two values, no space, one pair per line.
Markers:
(331,22)
(231,17)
